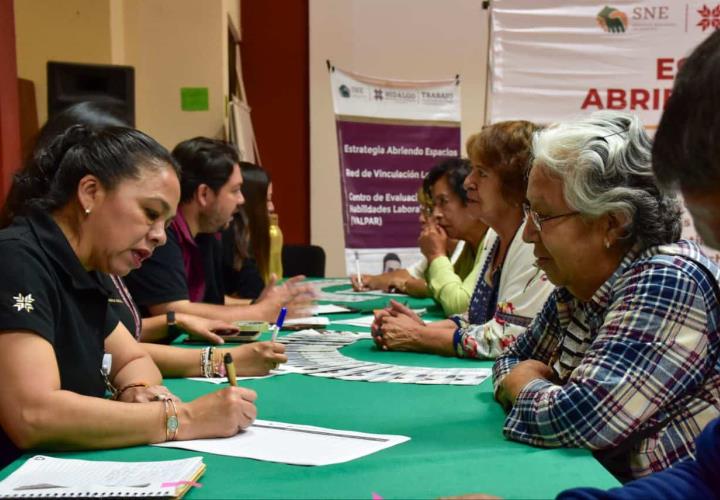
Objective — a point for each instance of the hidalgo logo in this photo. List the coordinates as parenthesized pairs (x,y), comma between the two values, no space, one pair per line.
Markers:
(612,20)
(709,18)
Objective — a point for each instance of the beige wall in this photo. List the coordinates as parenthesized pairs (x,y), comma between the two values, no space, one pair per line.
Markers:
(171,44)
(403,39)
(174,44)
(66,30)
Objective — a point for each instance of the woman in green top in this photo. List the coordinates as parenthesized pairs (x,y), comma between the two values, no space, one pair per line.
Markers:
(449,241)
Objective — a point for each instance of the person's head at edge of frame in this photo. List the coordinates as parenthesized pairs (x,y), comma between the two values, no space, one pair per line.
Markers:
(686,150)
(592,197)
(111,189)
(391,262)
(252,222)
(443,188)
(500,156)
(211,184)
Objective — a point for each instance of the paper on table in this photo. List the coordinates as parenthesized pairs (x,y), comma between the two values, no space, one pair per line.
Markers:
(310,321)
(293,444)
(371,292)
(48,476)
(365,321)
(329,309)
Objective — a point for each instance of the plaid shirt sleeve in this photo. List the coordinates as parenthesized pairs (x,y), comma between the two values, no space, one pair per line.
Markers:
(648,352)
(538,341)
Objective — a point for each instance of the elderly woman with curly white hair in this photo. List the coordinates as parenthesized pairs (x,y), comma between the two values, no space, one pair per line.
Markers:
(623,357)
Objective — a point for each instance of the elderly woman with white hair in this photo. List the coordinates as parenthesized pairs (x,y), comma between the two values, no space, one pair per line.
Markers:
(622,359)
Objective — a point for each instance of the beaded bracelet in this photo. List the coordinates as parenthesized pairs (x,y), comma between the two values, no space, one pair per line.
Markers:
(209,368)
(204,355)
(218,366)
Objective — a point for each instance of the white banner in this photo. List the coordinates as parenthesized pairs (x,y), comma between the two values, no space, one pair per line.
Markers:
(390,133)
(557,59)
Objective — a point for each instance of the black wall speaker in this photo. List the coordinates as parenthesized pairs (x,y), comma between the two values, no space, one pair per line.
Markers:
(70,83)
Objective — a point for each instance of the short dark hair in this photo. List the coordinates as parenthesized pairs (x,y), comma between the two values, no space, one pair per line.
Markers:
(455,170)
(506,148)
(391,256)
(204,161)
(686,151)
(49,180)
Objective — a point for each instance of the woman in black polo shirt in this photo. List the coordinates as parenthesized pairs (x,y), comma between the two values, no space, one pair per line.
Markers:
(88,204)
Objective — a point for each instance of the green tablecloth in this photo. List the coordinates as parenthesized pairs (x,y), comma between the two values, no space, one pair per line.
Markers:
(380,301)
(457,444)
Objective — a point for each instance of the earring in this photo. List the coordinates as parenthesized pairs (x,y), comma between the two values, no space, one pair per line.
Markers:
(87,211)
(607,243)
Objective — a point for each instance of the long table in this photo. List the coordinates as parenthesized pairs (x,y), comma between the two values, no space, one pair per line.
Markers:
(456,442)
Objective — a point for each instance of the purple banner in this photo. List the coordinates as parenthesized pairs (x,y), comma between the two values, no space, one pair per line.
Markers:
(381,169)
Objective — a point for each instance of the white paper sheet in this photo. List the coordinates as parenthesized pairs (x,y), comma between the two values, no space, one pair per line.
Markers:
(362,321)
(309,320)
(366,321)
(293,444)
(329,309)
(378,293)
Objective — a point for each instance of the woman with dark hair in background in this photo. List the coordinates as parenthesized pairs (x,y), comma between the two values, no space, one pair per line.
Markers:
(246,243)
(450,240)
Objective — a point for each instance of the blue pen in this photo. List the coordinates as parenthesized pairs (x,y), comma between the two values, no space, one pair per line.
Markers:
(279,323)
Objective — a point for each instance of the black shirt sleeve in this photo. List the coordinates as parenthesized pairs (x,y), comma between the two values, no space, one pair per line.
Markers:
(161,278)
(28,292)
(211,249)
(247,282)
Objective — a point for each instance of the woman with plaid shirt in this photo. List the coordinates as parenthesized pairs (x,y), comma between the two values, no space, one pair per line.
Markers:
(622,359)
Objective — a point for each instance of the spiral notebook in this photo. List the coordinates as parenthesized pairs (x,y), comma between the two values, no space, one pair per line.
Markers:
(49,477)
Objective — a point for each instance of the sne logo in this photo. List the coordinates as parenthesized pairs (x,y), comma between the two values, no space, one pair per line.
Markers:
(612,20)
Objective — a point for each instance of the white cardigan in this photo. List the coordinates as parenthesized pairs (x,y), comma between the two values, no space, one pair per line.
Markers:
(523,290)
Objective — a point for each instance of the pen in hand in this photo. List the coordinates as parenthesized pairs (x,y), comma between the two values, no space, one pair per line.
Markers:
(357,271)
(279,323)
(230,369)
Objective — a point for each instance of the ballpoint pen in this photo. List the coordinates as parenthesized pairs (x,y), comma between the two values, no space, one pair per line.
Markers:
(279,323)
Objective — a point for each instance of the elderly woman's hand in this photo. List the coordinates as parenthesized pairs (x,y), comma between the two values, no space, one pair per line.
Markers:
(521,375)
(398,332)
(396,309)
(375,327)
(433,242)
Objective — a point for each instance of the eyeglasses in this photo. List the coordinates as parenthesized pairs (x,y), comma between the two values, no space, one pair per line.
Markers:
(538,219)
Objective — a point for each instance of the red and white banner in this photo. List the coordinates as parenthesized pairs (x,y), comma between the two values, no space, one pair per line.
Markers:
(560,59)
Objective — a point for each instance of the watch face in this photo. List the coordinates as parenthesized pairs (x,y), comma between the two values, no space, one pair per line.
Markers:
(172,423)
